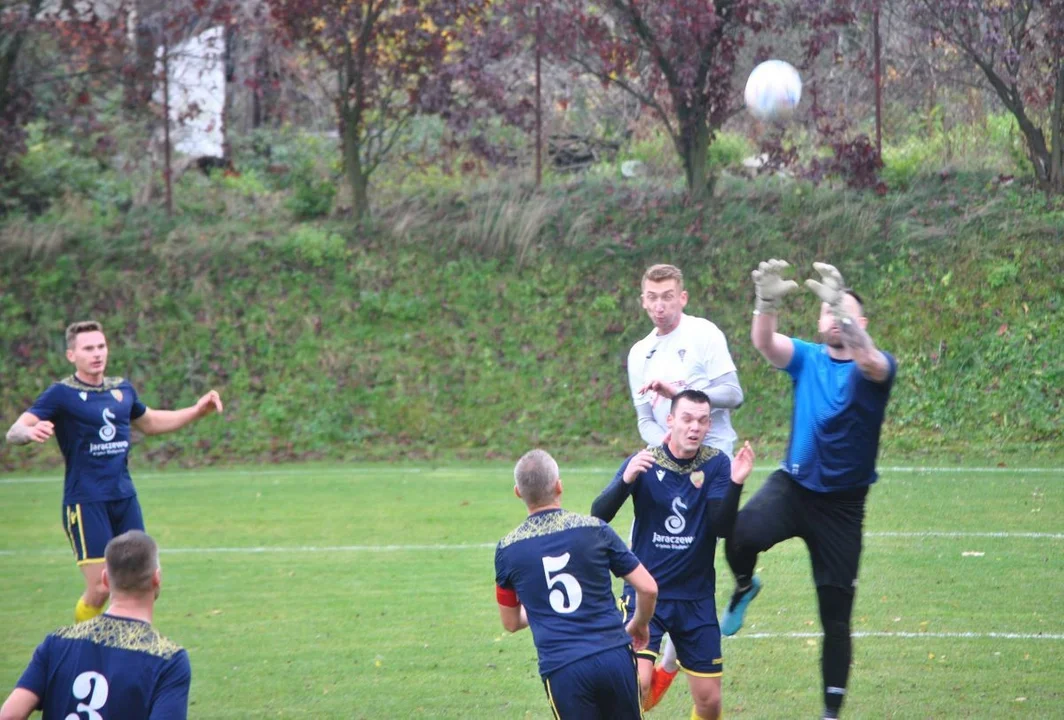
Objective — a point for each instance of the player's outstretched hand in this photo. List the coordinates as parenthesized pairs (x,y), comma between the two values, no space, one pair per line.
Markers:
(832,290)
(743,464)
(663,388)
(211,402)
(638,465)
(640,635)
(43,430)
(769,285)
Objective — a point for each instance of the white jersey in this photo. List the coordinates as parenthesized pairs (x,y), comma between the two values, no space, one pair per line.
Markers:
(692,355)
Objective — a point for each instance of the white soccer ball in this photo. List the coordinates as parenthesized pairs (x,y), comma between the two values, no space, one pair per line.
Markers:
(773,90)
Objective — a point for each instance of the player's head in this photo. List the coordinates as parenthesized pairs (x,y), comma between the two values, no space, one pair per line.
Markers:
(131,565)
(663,296)
(830,332)
(536,479)
(688,421)
(87,347)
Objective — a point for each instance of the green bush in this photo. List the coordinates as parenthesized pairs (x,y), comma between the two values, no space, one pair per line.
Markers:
(314,247)
(728,151)
(312,197)
(50,169)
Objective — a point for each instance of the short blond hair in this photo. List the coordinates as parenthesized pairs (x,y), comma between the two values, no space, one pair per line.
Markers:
(661,273)
(82,326)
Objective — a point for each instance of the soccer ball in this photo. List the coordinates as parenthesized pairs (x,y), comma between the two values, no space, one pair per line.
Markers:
(773,90)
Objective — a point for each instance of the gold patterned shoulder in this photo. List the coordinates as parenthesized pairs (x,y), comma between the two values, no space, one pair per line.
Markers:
(109,383)
(548,524)
(704,455)
(121,634)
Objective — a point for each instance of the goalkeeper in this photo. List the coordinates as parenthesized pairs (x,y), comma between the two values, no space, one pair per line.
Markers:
(841,388)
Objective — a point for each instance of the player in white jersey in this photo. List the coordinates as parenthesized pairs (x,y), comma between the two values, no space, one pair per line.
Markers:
(681,352)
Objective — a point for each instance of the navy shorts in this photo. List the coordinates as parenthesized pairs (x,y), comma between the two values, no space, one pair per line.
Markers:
(90,526)
(693,627)
(604,685)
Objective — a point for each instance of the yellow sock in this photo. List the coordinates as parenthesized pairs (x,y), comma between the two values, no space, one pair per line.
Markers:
(83,611)
(696,716)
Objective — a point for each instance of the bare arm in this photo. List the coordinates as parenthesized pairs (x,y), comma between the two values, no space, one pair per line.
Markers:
(19,705)
(646,594)
(513,618)
(30,428)
(156,422)
(872,363)
(649,430)
(776,348)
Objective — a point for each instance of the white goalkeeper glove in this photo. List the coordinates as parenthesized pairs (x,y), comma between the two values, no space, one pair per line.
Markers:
(769,287)
(832,290)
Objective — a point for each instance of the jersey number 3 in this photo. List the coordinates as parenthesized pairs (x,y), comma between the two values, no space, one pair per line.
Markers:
(562,602)
(91,685)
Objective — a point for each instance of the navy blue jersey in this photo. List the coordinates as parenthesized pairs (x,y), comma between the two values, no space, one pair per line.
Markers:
(673,533)
(559,565)
(837,416)
(92,428)
(109,667)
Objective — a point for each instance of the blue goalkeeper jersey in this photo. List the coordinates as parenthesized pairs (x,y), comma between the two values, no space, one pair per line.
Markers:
(92,425)
(836,420)
(673,533)
(109,667)
(559,565)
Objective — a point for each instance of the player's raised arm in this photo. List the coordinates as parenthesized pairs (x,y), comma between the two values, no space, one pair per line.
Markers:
(725,391)
(611,499)
(872,362)
(723,512)
(30,428)
(770,289)
(649,429)
(156,422)
(646,598)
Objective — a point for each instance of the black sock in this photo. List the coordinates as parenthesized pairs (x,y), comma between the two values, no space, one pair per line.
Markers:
(836,607)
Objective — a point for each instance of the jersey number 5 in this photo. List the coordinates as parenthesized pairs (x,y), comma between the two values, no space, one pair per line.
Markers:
(91,685)
(573,594)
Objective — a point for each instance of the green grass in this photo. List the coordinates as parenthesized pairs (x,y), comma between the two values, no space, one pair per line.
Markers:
(319,625)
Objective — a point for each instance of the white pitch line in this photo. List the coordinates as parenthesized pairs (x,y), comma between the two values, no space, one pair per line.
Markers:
(263,549)
(905,635)
(445,547)
(961,534)
(393,470)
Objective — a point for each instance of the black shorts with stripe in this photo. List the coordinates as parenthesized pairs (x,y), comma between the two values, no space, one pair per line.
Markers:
(90,526)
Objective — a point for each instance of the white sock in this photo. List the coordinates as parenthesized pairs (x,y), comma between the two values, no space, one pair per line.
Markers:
(668,656)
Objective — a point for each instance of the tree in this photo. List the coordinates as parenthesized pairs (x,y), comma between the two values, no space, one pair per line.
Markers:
(1018,45)
(679,58)
(16,23)
(388,61)
(53,56)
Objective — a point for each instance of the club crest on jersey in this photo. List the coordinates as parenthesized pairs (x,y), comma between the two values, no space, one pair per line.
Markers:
(682,352)
(83,395)
(697,478)
(661,476)
(117,394)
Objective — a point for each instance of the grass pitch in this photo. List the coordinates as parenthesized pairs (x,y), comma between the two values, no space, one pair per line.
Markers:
(366,591)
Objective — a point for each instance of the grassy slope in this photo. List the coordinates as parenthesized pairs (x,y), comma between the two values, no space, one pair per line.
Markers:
(486,324)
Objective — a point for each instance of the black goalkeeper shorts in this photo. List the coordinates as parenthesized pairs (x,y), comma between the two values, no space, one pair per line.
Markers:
(830,523)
